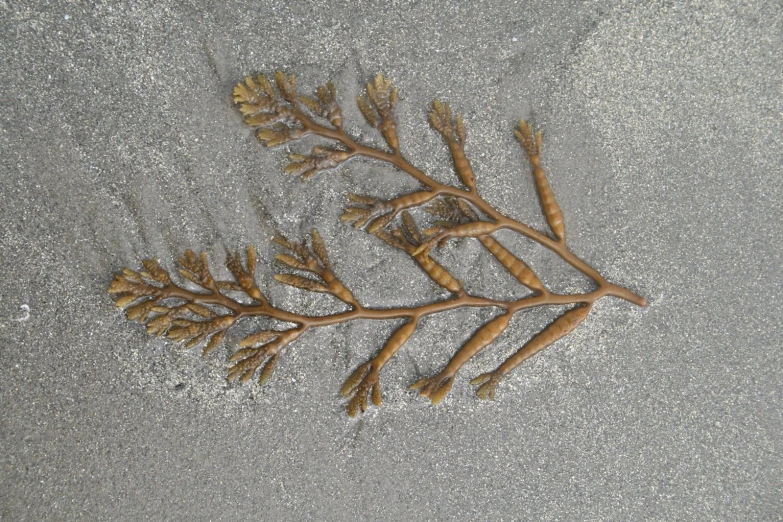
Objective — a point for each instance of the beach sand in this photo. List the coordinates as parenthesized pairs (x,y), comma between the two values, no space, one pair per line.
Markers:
(663,142)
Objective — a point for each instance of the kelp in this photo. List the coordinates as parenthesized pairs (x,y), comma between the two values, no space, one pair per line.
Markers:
(280,115)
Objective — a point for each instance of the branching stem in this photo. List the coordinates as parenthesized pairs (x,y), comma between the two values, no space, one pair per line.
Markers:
(281,116)
(415,313)
(503,222)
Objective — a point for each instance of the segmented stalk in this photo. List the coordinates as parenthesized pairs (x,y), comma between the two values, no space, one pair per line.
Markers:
(437,273)
(480,340)
(552,212)
(512,263)
(562,326)
(472,229)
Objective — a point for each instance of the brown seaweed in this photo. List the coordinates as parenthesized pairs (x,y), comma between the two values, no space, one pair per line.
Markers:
(281,115)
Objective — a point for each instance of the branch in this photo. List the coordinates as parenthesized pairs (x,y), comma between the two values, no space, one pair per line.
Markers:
(562,326)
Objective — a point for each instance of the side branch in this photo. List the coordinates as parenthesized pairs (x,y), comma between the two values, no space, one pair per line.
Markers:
(532,145)
(282,119)
(437,189)
(187,316)
(562,326)
(437,387)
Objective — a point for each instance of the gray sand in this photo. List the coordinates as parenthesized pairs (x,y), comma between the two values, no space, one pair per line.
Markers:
(663,132)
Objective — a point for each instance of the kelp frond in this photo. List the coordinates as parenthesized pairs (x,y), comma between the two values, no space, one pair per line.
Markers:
(200,309)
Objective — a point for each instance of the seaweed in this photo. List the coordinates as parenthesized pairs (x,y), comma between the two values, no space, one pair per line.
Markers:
(279,115)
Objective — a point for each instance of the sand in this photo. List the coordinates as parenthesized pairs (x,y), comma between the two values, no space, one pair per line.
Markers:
(663,143)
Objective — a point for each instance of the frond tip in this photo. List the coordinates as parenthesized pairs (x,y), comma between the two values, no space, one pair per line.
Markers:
(378,108)
(321,159)
(454,134)
(275,117)
(315,261)
(325,104)
(362,383)
(434,388)
(245,277)
(248,360)
(486,383)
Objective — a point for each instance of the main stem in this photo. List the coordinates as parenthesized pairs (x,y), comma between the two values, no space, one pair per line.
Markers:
(240,310)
